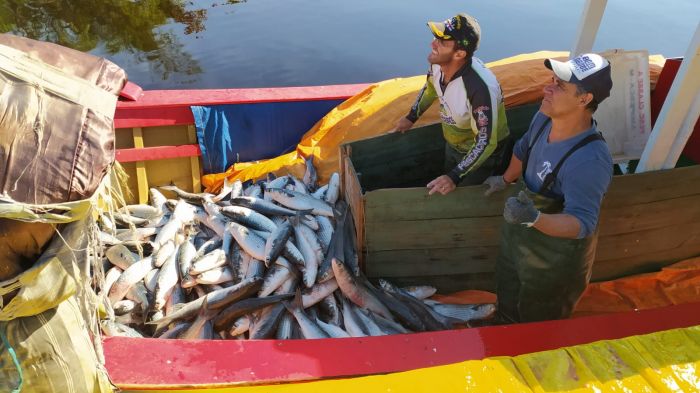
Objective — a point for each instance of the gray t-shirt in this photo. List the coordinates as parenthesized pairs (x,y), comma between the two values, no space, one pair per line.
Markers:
(583,179)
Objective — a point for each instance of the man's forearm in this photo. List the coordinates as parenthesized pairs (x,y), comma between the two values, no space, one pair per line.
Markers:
(515,169)
(558,225)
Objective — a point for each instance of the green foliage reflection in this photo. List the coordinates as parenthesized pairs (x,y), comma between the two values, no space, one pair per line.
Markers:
(117,26)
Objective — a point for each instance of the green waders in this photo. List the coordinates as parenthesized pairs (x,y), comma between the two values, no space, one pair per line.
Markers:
(540,277)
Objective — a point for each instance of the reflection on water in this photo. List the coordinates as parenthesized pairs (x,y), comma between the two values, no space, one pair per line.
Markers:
(190,44)
(115,26)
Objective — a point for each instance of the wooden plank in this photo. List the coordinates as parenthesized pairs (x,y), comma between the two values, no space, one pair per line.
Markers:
(158,153)
(447,284)
(407,171)
(644,216)
(651,262)
(194,161)
(141,176)
(439,233)
(685,239)
(415,204)
(353,196)
(431,261)
(652,186)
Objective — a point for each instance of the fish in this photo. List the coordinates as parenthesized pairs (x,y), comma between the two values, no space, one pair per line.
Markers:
(310,175)
(420,291)
(355,292)
(353,325)
(309,328)
(119,255)
(265,324)
(278,273)
(298,201)
(128,278)
(229,314)
(336,247)
(463,312)
(217,275)
(215,300)
(249,218)
(318,292)
(333,331)
(333,189)
(276,241)
(249,241)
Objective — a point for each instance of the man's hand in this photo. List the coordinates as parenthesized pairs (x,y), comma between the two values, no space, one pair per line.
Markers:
(404,125)
(521,210)
(495,183)
(442,184)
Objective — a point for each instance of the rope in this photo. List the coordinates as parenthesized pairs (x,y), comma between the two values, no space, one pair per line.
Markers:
(13,355)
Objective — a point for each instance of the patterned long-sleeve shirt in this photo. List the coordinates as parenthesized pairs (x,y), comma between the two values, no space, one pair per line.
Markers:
(472,113)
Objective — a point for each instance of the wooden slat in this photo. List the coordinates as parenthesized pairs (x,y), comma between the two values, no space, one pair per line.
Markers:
(616,268)
(645,216)
(415,204)
(172,107)
(353,196)
(642,243)
(157,153)
(194,161)
(397,159)
(439,233)
(432,262)
(141,176)
(652,186)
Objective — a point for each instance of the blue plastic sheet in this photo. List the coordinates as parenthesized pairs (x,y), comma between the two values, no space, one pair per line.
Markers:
(247,132)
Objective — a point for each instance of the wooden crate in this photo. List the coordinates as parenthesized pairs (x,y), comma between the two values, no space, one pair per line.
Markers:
(647,221)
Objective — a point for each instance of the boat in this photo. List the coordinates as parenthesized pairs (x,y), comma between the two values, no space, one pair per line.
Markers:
(157,144)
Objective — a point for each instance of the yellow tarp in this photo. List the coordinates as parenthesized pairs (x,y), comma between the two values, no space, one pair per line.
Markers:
(667,361)
(376,110)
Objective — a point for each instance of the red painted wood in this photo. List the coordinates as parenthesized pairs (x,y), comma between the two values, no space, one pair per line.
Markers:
(152,117)
(658,96)
(171,107)
(131,91)
(133,362)
(157,153)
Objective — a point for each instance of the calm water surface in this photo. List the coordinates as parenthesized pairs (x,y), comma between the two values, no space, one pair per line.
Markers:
(171,44)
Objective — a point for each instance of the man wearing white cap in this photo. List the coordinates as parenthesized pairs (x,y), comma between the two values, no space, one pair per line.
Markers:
(550,234)
(471,106)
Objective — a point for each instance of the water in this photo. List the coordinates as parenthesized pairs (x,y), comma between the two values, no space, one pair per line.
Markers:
(172,44)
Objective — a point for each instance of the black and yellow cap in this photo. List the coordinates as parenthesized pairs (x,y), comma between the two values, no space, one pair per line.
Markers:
(462,28)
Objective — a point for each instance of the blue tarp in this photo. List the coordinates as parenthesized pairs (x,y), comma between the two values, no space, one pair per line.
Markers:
(247,132)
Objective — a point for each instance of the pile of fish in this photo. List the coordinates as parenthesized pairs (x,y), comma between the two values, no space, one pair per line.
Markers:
(273,259)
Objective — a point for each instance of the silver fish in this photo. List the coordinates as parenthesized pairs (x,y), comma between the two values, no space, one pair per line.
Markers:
(357,293)
(318,292)
(332,330)
(309,328)
(248,217)
(310,175)
(276,241)
(250,242)
(333,188)
(298,201)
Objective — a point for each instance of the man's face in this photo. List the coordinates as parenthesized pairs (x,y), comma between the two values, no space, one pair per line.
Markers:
(560,98)
(442,51)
